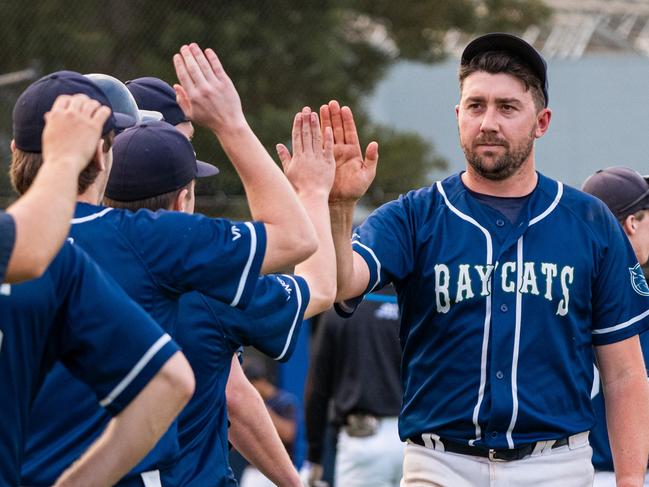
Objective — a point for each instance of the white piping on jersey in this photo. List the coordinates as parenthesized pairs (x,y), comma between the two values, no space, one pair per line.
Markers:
(298,295)
(487,319)
(517,340)
(630,322)
(88,218)
(519,307)
(378,263)
(246,269)
(126,381)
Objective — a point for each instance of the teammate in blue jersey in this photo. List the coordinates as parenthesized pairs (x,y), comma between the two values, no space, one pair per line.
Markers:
(75,314)
(505,279)
(156,257)
(209,331)
(251,429)
(626,193)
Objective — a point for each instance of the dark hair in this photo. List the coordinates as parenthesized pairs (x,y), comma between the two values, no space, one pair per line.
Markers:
(25,166)
(154,203)
(495,62)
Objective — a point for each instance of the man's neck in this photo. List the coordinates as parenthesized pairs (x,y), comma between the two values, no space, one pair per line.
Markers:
(520,183)
(93,195)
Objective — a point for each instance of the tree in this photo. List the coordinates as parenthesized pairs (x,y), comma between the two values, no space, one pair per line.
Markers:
(281,54)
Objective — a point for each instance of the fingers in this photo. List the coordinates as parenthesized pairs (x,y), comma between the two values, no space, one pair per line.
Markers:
(182,73)
(307,139)
(215,62)
(337,122)
(372,155)
(329,145)
(325,117)
(296,134)
(101,115)
(349,127)
(182,98)
(203,64)
(315,133)
(284,155)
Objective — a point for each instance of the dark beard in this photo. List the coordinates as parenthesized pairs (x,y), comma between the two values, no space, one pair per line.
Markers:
(504,166)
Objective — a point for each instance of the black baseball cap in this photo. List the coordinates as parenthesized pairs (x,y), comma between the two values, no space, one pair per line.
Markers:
(623,189)
(498,41)
(38,98)
(154,94)
(151,159)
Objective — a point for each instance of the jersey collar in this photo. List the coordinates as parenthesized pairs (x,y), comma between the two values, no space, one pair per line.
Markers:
(86,211)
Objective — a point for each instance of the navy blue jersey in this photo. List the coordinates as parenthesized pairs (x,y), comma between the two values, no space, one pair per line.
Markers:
(602,456)
(210,333)
(155,257)
(75,314)
(7,240)
(494,312)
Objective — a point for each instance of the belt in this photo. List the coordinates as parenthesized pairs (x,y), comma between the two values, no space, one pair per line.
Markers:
(493,454)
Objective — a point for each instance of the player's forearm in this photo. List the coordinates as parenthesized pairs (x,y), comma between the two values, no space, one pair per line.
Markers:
(271,198)
(627,417)
(349,285)
(319,270)
(135,431)
(252,432)
(42,217)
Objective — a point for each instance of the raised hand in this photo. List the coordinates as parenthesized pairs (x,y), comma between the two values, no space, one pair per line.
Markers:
(206,93)
(354,174)
(72,130)
(312,167)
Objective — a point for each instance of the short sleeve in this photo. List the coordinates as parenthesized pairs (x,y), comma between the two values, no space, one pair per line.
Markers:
(7,241)
(620,292)
(385,242)
(273,320)
(217,257)
(107,340)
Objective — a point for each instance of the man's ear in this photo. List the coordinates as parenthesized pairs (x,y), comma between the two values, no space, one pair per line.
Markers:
(13,146)
(180,201)
(629,225)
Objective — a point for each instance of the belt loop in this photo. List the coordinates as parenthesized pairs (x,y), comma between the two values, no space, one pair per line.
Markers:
(578,440)
(439,445)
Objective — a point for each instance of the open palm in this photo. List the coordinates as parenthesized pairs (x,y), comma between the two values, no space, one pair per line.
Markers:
(354,173)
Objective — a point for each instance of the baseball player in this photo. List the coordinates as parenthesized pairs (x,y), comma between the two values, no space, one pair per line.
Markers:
(626,193)
(505,279)
(75,314)
(209,331)
(354,373)
(34,227)
(251,429)
(158,257)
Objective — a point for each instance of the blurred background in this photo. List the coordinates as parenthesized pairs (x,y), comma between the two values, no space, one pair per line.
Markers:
(393,63)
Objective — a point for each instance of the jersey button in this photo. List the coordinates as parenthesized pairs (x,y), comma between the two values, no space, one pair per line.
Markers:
(500,374)
(503,308)
(500,223)
(494,434)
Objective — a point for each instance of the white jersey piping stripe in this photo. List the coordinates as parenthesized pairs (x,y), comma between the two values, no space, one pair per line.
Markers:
(246,269)
(378,263)
(88,218)
(517,341)
(550,208)
(144,360)
(298,295)
(487,321)
(630,322)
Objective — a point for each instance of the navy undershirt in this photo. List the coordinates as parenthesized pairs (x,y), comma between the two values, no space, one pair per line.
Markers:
(509,206)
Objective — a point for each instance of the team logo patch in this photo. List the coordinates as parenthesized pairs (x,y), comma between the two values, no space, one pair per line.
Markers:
(638,282)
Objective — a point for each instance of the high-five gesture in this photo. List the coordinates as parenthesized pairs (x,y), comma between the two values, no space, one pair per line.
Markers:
(312,167)
(206,93)
(354,174)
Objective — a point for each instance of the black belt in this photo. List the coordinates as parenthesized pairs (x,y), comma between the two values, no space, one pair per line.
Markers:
(494,454)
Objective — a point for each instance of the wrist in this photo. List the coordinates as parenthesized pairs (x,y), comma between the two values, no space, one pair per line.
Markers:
(235,128)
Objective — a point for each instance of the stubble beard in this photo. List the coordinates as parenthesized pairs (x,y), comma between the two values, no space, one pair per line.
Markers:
(501,167)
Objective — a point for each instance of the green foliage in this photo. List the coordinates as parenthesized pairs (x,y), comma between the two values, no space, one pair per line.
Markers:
(281,54)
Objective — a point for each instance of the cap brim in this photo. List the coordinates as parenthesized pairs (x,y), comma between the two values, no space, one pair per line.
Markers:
(150,115)
(123,121)
(204,170)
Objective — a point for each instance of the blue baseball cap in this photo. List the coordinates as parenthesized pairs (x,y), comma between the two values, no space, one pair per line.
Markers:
(154,94)
(32,105)
(151,159)
(624,190)
(499,41)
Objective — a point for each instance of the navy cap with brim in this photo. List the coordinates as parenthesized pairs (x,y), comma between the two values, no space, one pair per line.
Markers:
(32,105)
(152,159)
(623,190)
(154,94)
(499,41)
